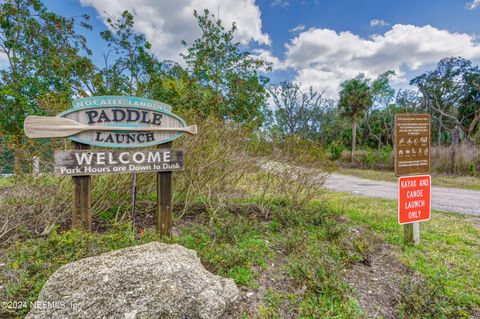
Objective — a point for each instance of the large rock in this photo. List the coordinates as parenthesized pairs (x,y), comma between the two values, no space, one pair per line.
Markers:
(149,281)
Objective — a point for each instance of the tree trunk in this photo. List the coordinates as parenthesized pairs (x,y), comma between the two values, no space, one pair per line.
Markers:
(439,142)
(453,149)
(366,131)
(18,153)
(354,135)
(17,164)
(471,127)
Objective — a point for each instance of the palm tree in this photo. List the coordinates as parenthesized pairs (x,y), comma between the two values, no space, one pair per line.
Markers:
(355,99)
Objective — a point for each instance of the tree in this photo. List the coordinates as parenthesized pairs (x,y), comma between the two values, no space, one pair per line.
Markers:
(216,61)
(381,125)
(175,86)
(43,59)
(129,63)
(469,108)
(355,98)
(450,96)
(382,96)
(409,101)
(382,92)
(297,111)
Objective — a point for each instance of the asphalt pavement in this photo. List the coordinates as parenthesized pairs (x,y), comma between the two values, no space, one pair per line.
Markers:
(443,198)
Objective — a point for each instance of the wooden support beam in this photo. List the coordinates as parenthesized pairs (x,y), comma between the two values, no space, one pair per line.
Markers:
(81,202)
(164,200)
(411,233)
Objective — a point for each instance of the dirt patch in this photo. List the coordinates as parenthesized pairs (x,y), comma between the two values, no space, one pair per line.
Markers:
(377,282)
(273,278)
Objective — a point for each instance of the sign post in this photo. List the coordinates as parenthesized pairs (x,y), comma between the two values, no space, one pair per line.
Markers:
(115,122)
(164,200)
(81,197)
(412,157)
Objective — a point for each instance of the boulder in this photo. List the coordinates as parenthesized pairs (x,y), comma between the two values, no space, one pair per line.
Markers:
(149,281)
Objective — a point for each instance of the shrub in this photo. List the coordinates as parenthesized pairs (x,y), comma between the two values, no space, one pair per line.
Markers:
(294,170)
(360,158)
(336,150)
(346,157)
(223,160)
(466,161)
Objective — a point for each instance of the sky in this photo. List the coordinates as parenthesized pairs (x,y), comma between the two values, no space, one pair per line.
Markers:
(317,43)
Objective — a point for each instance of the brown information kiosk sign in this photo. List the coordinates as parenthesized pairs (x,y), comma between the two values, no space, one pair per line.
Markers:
(412,144)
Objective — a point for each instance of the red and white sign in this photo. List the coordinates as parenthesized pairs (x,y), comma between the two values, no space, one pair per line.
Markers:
(413,199)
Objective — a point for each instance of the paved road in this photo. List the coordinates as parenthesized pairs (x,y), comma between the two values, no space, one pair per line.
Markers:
(443,198)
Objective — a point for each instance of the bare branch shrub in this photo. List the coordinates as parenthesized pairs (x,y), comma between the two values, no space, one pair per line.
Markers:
(222,162)
(295,169)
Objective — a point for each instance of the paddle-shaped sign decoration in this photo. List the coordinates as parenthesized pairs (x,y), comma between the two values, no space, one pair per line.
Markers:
(46,126)
(112,121)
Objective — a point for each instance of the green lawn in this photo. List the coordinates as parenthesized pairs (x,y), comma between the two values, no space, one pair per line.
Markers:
(448,254)
(465,182)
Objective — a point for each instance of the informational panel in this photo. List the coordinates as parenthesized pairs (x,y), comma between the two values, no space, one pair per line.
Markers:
(96,162)
(412,144)
(413,199)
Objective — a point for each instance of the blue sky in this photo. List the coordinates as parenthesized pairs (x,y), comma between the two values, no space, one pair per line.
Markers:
(315,42)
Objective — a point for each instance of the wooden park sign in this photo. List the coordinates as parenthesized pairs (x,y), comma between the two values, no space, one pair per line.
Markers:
(412,144)
(412,157)
(115,122)
(86,162)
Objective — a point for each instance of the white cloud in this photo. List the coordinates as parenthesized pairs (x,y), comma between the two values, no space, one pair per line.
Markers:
(379,23)
(166,23)
(473,5)
(324,58)
(267,56)
(280,3)
(298,28)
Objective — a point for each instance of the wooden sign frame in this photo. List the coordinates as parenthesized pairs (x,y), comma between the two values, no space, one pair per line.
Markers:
(101,162)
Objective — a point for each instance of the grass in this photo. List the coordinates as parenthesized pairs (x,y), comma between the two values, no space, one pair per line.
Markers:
(299,246)
(448,256)
(7,181)
(304,248)
(464,182)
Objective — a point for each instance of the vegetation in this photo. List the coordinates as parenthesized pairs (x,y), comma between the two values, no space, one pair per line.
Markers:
(446,257)
(299,254)
(249,201)
(298,112)
(49,62)
(216,61)
(355,99)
